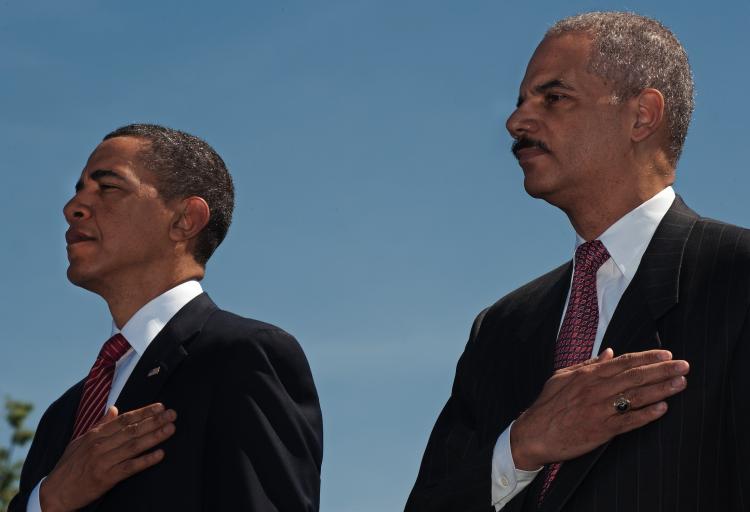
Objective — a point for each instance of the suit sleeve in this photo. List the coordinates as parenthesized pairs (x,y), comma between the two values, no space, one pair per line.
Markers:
(455,473)
(51,438)
(20,501)
(30,474)
(265,444)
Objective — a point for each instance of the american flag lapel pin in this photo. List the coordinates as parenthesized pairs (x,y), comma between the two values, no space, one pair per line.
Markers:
(154,371)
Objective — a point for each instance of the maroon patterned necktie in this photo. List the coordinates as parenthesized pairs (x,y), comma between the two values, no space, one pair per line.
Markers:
(578,330)
(98,383)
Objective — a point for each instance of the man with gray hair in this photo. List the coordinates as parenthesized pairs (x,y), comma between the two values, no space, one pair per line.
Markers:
(571,394)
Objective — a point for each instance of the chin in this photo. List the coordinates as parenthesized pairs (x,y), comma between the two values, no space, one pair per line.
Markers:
(80,278)
(553,195)
(534,192)
(537,188)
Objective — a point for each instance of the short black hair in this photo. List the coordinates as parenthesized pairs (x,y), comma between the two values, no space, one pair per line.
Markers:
(185,165)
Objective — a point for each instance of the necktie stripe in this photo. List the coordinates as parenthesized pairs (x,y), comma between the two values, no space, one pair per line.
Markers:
(94,389)
(93,381)
(94,397)
(98,384)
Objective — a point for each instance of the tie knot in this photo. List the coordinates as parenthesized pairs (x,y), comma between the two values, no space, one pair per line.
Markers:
(590,256)
(114,348)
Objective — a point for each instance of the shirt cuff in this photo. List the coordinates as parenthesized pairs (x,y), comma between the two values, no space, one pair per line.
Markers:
(34,505)
(507,481)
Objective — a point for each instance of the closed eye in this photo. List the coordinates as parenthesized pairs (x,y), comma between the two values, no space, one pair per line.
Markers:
(551,90)
(107,179)
(551,98)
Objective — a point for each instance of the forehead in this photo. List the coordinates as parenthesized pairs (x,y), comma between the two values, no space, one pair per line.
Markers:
(564,58)
(119,154)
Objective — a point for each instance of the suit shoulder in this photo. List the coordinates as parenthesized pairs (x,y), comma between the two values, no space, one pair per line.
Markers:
(714,224)
(229,323)
(527,295)
(245,348)
(727,242)
(231,333)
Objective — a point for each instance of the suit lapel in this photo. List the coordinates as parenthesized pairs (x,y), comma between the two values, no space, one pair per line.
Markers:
(533,356)
(164,354)
(655,288)
(659,271)
(159,361)
(537,338)
(653,291)
(55,432)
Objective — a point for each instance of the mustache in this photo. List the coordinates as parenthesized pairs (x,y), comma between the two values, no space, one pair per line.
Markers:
(526,142)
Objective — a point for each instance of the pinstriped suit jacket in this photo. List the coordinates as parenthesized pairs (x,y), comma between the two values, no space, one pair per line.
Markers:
(690,295)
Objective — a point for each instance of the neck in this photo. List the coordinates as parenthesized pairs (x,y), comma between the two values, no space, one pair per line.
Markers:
(594,216)
(131,294)
(594,205)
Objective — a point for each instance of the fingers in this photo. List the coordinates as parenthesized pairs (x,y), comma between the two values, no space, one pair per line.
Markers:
(575,411)
(121,454)
(647,395)
(110,414)
(96,431)
(108,453)
(649,374)
(136,438)
(119,439)
(635,418)
(604,356)
(143,427)
(113,425)
(647,401)
(625,362)
(132,466)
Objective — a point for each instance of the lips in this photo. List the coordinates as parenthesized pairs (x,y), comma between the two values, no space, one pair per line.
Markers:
(529,153)
(74,236)
(526,148)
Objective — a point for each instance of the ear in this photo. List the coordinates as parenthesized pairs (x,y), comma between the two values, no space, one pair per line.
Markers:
(191,216)
(649,116)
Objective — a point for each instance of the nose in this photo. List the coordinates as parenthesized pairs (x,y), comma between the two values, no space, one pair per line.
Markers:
(522,121)
(76,209)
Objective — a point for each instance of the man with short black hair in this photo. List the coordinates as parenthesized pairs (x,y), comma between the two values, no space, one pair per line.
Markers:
(572,394)
(186,407)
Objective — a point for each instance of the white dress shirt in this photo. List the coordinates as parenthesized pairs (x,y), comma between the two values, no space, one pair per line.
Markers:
(626,241)
(140,331)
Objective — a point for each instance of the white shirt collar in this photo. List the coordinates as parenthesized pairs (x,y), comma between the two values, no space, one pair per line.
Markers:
(626,240)
(148,321)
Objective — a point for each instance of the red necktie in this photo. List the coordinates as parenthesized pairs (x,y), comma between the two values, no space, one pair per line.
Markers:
(98,383)
(578,330)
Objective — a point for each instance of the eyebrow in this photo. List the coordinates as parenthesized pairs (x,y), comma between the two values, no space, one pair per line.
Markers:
(99,174)
(546,86)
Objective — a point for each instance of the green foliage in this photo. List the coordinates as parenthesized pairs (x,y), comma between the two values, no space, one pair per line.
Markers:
(10,470)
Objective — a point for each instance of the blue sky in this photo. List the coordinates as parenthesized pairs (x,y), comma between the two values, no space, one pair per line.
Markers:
(378,205)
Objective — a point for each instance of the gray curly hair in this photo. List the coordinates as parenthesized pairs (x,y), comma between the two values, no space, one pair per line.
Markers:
(635,52)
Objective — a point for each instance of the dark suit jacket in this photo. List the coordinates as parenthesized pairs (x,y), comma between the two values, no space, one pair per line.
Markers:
(249,433)
(690,295)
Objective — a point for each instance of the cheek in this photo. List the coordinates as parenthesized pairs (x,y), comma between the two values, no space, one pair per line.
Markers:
(153,224)
(132,230)
(596,140)
(572,155)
